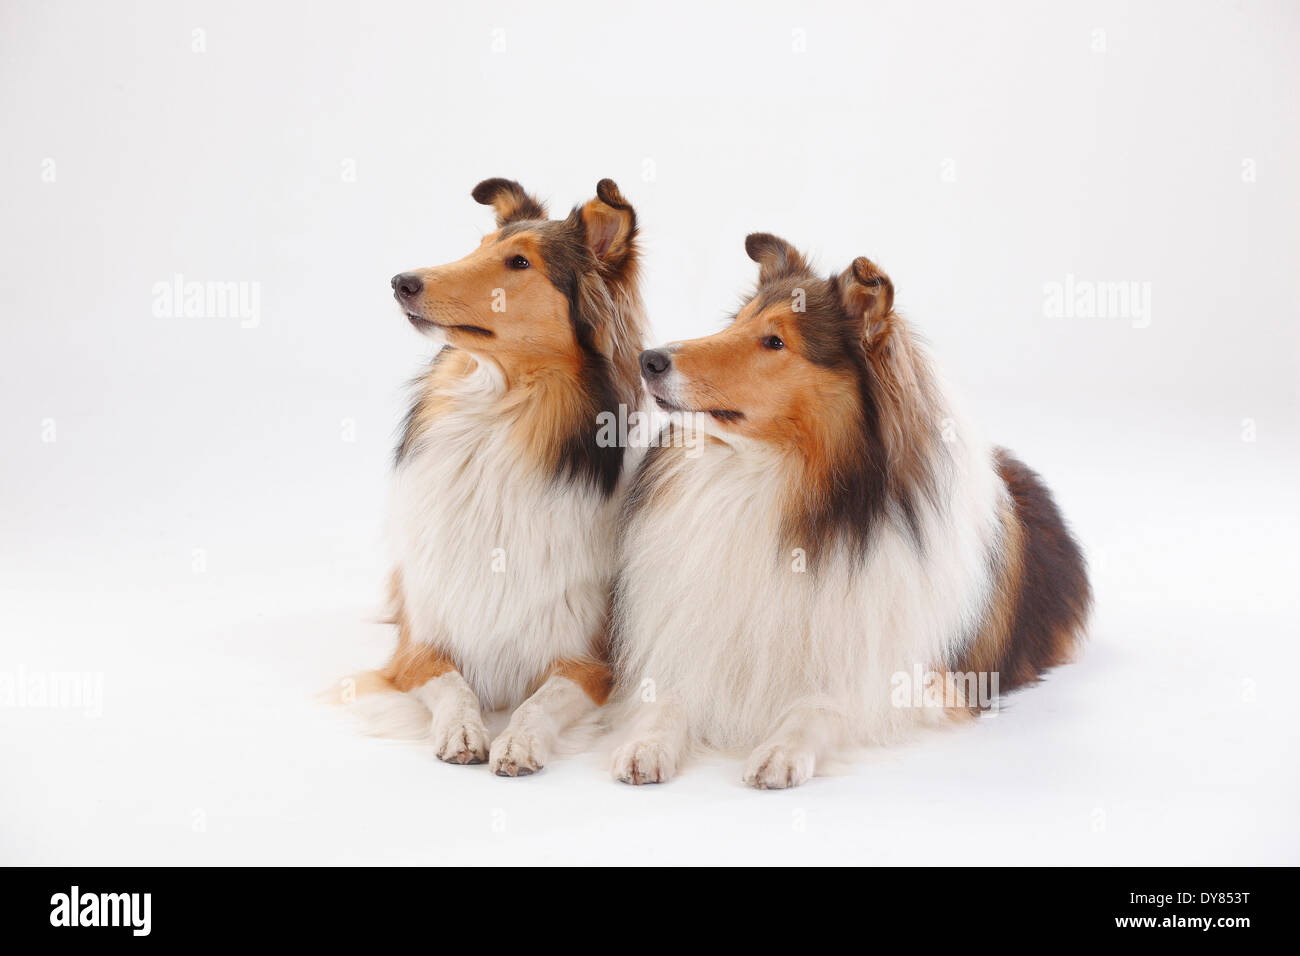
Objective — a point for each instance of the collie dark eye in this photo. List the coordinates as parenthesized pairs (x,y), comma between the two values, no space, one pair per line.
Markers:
(518,262)
(773,342)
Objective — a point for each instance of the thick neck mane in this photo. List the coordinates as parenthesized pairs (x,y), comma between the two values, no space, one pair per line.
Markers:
(874,456)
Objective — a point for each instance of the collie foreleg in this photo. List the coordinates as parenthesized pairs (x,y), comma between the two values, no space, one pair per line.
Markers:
(574,690)
(653,752)
(457,729)
(808,732)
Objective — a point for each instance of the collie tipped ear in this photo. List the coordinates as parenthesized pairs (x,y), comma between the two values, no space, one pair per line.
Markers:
(510,201)
(609,228)
(776,258)
(868,298)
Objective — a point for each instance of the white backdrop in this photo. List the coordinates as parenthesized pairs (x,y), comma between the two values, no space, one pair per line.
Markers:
(192,502)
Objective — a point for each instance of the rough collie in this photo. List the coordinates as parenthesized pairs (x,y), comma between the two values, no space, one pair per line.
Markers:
(504,502)
(844,560)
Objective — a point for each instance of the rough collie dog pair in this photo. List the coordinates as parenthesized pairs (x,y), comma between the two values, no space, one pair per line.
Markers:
(839,557)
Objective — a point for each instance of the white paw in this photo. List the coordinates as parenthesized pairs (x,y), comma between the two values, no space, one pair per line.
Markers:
(644,761)
(517,753)
(461,740)
(775,767)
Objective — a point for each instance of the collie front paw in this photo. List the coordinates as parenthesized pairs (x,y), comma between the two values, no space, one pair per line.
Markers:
(643,761)
(775,767)
(517,753)
(461,741)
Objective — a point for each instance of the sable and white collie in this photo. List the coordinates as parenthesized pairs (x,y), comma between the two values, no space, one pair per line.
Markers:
(504,502)
(841,533)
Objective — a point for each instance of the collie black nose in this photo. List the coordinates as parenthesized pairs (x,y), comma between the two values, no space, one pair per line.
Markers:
(407,284)
(654,362)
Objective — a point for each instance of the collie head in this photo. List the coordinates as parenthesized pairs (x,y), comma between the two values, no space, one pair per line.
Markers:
(821,371)
(550,310)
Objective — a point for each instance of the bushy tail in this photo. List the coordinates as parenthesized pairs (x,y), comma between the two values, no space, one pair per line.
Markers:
(379,707)
(1053,596)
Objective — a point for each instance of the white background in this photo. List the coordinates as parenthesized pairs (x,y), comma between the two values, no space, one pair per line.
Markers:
(201,533)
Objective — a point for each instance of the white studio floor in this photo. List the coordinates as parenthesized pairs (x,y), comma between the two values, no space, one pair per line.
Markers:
(1172,740)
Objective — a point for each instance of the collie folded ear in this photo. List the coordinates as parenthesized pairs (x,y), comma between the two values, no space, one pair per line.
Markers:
(776,258)
(609,226)
(509,199)
(868,298)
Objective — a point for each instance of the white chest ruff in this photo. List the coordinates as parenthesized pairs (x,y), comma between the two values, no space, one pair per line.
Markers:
(503,568)
(714,609)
